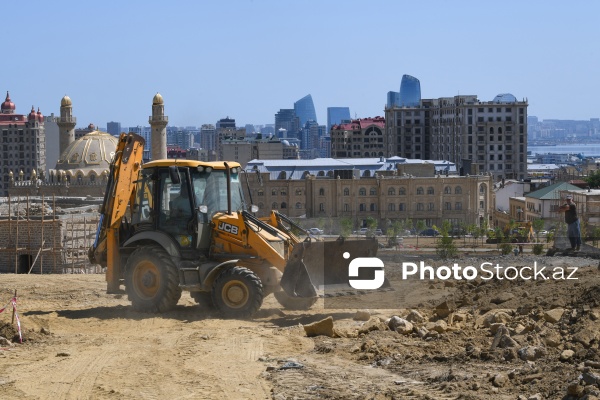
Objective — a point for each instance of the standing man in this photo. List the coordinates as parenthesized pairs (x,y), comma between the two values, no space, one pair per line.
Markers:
(573,229)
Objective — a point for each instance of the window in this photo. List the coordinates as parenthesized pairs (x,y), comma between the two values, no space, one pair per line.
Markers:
(346,207)
(298,205)
(346,192)
(401,207)
(391,191)
(458,205)
(373,192)
(419,206)
(274,192)
(391,207)
(481,204)
(321,206)
(283,192)
(362,192)
(430,207)
(430,190)
(373,207)
(274,206)
(458,190)
(261,192)
(447,190)
(402,191)
(321,192)
(447,206)
(362,207)
(298,192)
(283,205)
(419,190)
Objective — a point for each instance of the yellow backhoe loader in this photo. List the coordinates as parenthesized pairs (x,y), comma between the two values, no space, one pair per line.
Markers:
(169,226)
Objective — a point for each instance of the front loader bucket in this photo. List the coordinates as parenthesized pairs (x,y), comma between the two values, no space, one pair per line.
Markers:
(316,266)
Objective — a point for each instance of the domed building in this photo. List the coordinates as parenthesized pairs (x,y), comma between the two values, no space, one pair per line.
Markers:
(86,160)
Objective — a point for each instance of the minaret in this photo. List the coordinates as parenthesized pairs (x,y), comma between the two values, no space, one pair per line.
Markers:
(66,124)
(158,123)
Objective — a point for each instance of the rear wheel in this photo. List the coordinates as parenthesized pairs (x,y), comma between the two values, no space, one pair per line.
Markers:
(294,303)
(151,280)
(237,292)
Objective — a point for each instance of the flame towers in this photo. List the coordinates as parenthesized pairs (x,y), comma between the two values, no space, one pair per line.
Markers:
(409,95)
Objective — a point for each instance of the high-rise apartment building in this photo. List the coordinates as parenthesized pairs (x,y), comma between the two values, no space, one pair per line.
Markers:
(336,116)
(207,137)
(287,119)
(305,110)
(479,136)
(23,144)
(114,128)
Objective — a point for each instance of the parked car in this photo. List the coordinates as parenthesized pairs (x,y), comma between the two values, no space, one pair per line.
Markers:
(315,231)
(378,232)
(429,232)
(361,231)
(543,232)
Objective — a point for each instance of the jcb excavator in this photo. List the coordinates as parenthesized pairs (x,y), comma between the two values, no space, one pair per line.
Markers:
(173,225)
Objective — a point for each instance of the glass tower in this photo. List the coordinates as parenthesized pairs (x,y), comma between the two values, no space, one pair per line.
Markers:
(409,95)
(305,110)
(336,115)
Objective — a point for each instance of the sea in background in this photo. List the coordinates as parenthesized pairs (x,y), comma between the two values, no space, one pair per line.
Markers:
(588,150)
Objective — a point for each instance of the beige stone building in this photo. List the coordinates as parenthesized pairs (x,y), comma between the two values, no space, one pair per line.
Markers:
(244,150)
(358,189)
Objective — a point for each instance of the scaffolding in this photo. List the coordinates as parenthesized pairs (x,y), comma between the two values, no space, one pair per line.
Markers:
(35,239)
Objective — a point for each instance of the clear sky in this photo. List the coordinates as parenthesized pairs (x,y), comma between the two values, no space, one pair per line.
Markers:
(247,59)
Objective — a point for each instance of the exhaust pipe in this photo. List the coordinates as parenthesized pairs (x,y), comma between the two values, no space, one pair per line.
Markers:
(228,172)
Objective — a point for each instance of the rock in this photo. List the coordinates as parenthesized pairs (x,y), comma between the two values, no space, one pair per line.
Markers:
(459,317)
(585,337)
(507,342)
(362,315)
(323,327)
(566,355)
(531,353)
(444,309)
(518,329)
(502,317)
(374,324)
(493,317)
(499,380)
(502,298)
(552,340)
(4,342)
(415,317)
(591,363)
(590,378)
(422,332)
(400,325)
(553,316)
(537,396)
(575,389)
(63,354)
(495,326)
(440,326)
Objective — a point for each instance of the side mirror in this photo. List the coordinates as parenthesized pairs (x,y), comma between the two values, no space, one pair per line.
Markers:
(253,208)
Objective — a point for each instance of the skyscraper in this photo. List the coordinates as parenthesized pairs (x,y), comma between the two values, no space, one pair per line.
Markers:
(409,95)
(305,110)
(287,119)
(337,115)
(114,128)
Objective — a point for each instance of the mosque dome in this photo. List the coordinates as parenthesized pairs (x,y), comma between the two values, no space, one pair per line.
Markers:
(157,100)
(32,115)
(40,116)
(8,104)
(66,102)
(90,153)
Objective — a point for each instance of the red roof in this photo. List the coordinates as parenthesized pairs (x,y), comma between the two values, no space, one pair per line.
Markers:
(361,123)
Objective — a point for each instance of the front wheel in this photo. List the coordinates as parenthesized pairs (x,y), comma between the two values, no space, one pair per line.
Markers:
(237,292)
(151,280)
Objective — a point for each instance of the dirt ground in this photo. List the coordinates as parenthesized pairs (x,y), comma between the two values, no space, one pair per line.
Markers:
(480,339)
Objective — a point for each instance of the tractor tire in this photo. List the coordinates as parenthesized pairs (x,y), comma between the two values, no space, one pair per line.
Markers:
(294,303)
(237,293)
(152,280)
(203,299)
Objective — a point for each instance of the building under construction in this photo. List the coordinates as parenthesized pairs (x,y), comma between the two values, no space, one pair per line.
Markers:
(47,235)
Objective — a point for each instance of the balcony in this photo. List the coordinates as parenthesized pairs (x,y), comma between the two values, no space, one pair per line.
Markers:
(66,120)
(158,118)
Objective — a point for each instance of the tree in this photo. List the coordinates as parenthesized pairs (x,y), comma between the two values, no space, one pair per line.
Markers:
(446,247)
(593,179)
(537,225)
(346,227)
(420,228)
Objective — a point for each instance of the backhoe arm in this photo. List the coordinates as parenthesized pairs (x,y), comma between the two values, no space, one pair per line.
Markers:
(120,188)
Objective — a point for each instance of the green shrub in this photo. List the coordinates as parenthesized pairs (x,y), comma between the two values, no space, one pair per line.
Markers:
(506,248)
(538,248)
